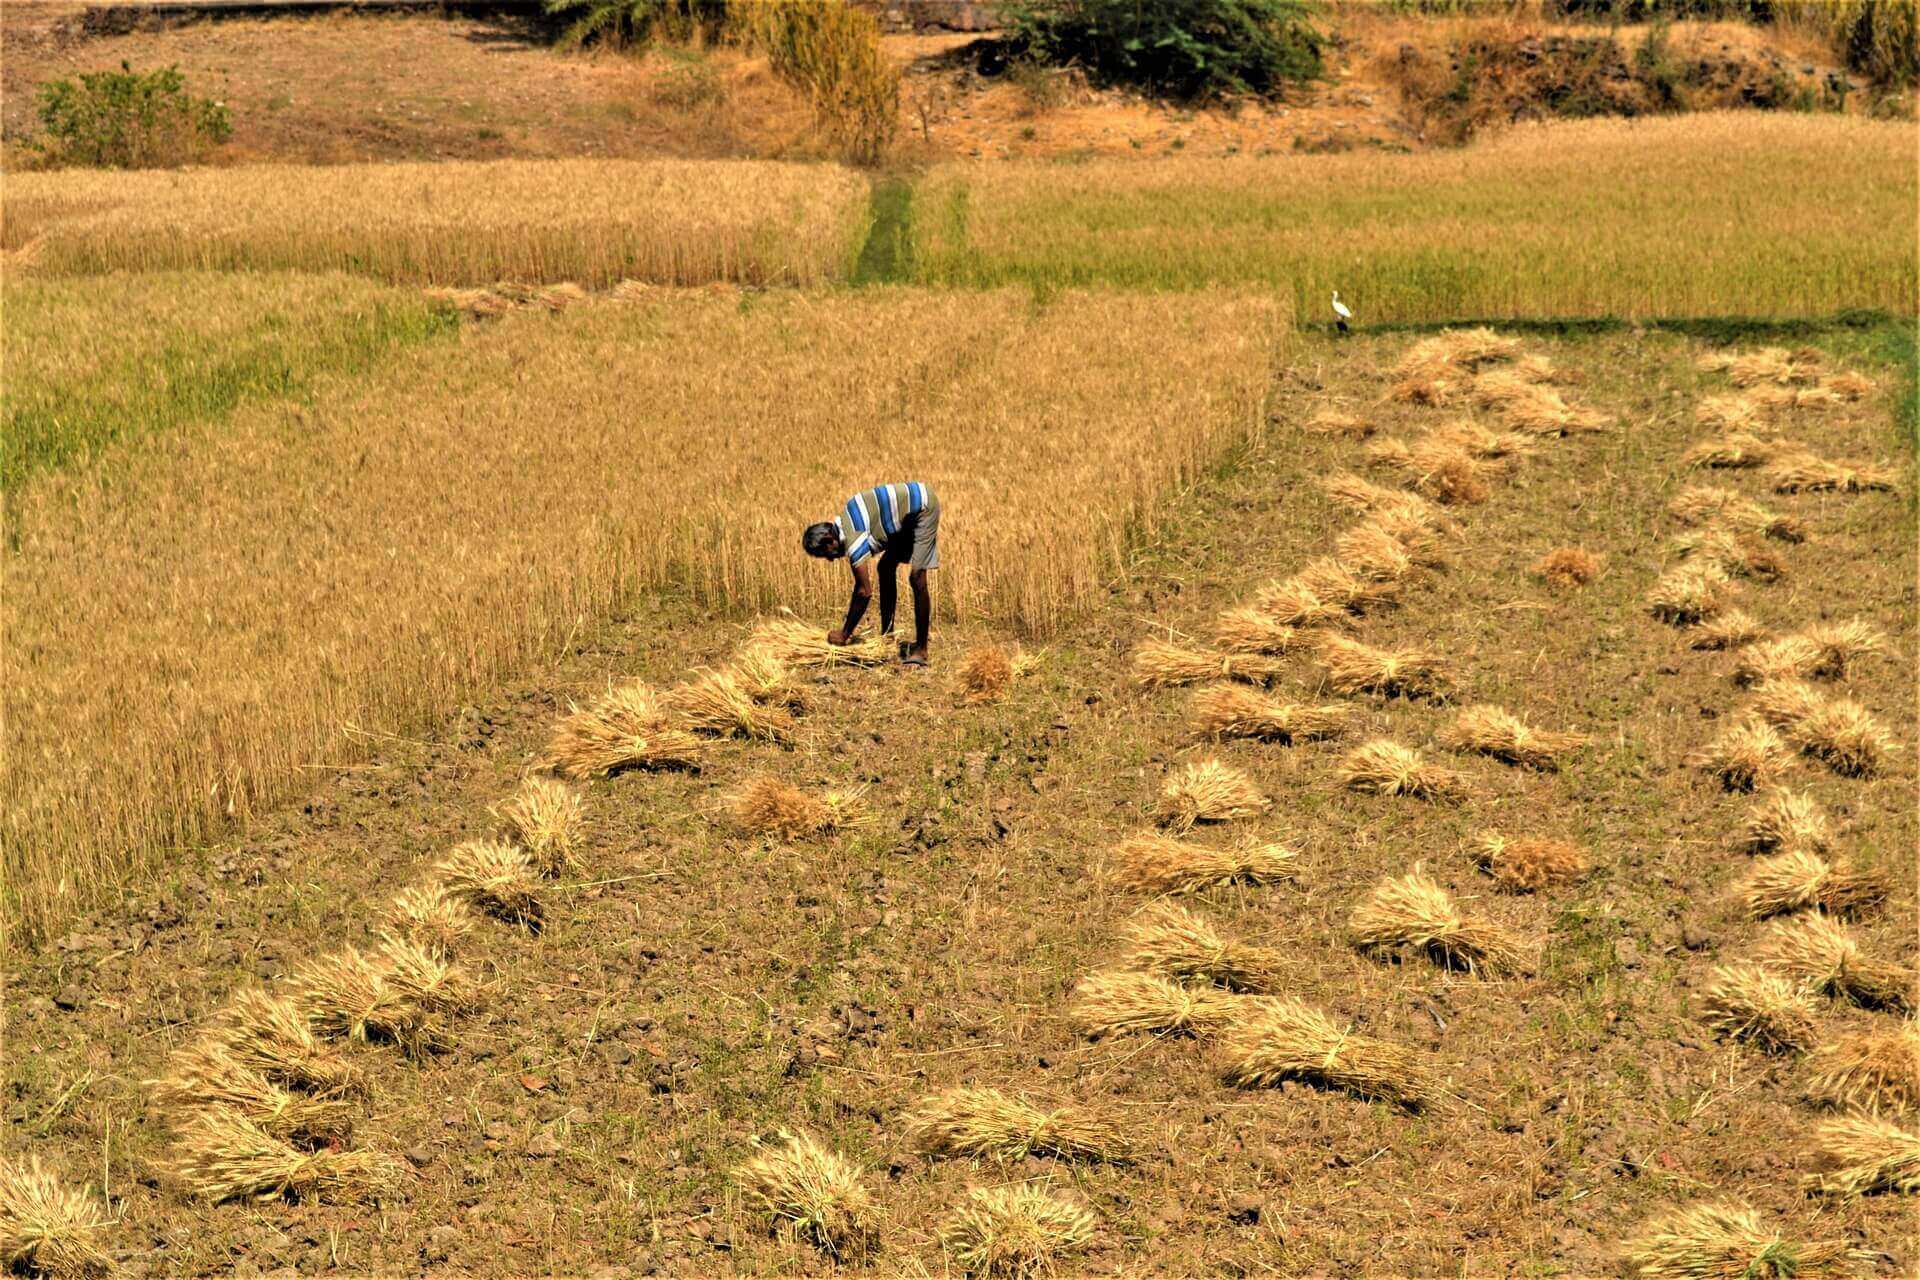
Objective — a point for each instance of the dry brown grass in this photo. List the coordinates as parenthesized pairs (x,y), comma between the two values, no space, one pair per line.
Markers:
(1705,504)
(1385,768)
(814,1194)
(595,222)
(1168,939)
(1353,666)
(1529,865)
(1748,1002)
(1234,711)
(767,805)
(1865,1154)
(1209,791)
(1157,664)
(1744,756)
(1124,1001)
(1803,471)
(544,814)
(1788,819)
(1016,1231)
(1876,1071)
(1568,567)
(1412,911)
(220,1155)
(1818,952)
(987,1122)
(1156,863)
(1727,629)
(625,728)
(1802,880)
(47,1227)
(457,547)
(1487,730)
(1278,1038)
(1727,1242)
(493,877)
(1689,594)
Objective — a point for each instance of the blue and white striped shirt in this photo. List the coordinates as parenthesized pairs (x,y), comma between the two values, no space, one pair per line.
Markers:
(874,515)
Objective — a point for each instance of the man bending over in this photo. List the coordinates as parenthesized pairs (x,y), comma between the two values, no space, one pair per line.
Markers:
(898,524)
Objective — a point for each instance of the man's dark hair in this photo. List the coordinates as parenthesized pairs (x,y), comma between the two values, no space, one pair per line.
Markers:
(821,539)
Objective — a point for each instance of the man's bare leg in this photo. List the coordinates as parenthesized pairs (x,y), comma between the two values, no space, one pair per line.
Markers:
(922,617)
(889,575)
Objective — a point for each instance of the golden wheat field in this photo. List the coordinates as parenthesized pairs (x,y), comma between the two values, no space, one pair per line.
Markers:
(594,222)
(190,628)
(1712,214)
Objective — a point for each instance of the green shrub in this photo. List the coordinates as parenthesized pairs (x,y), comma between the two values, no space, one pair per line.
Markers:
(624,24)
(1187,49)
(128,119)
(831,52)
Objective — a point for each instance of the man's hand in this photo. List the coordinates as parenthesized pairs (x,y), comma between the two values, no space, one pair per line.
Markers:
(836,637)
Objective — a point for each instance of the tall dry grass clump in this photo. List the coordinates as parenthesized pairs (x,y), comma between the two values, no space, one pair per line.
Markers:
(1233,711)
(544,815)
(1748,1002)
(593,222)
(1157,665)
(49,1227)
(219,1155)
(1864,1154)
(1727,1242)
(814,1194)
(767,805)
(1488,730)
(1383,767)
(1801,880)
(1125,1001)
(1818,952)
(1156,863)
(1209,791)
(1874,1070)
(1171,940)
(989,1122)
(1279,1038)
(831,52)
(1016,1231)
(1413,912)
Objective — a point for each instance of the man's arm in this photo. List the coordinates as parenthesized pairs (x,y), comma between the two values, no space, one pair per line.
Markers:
(857,604)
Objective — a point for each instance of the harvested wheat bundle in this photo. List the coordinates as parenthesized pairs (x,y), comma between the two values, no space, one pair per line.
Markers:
(1347,586)
(814,1194)
(348,995)
(1841,644)
(1786,703)
(1802,471)
(1278,1038)
(1731,413)
(1332,422)
(224,1156)
(1734,449)
(1726,1242)
(1787,658)
(986,672)
(1390,453)
(1736,553)
(1015,1231)
(1371,553)
(1498,388)
(1838,732)
(47,1227)
(1488,730)
(1774,365)
(1744,756)
(1688,594)
(1383,767)
(1874,1071)
(716,702)
(1251,630)
(1819,953)
(270,1034)
(1536,368)
(1355,667)
(1566,567)
(432,982)
(1849,386)
(767,677)
(1814,397)
(1450,476)
(1119,1001)
(1705,504)
(1363,495)
(1154,863)
(1157,664)
(1530,865)
(1413,911)
(1417,535)
(545,815)
(1235,711)
(1208,791)
(626,728)
(1428,387)
(1866,1154)
(431,917)
(1788,820)
(1292,602)
(205,1077)
(493,877)
(987,1122)
(1458,349)
(1748,1002)
(1800,880)
(800,645)
(1730,629)
(766,804)
(1170,940)
(1545,412)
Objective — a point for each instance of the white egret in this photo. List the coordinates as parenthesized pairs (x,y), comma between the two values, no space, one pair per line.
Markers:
(1340,312)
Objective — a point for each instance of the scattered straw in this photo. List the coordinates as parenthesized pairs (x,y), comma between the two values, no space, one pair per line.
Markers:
(1208,791)
(1865,1154)
(1530,865)
(1802,471)
(1168,939)
(1744,756)
(1688,593)
(223,1156)
(1787,819)
(48,1228)
(626,728)
(1155,863)
(493,877)
(1874,1070)
(1725,1242)
(545,816)
(1494,731)
(1234,711)
(1568,567)
(1818,952)
(1748,1002)
(1157,664)
(1014,1231)
(988,1122)
(1801,880)
(1413,911)
(1120,1001)
(1278,1038)
(1384,767)
(766,804)
(814,1194)
(1355,667)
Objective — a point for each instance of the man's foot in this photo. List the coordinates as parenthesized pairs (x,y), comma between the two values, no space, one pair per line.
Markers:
(913,657)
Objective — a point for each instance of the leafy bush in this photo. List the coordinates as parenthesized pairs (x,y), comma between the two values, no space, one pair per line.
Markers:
(1189,49)
(636,23)
(128,119)
(831,52)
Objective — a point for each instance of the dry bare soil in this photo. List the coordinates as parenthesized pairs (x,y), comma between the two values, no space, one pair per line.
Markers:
(695,989)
